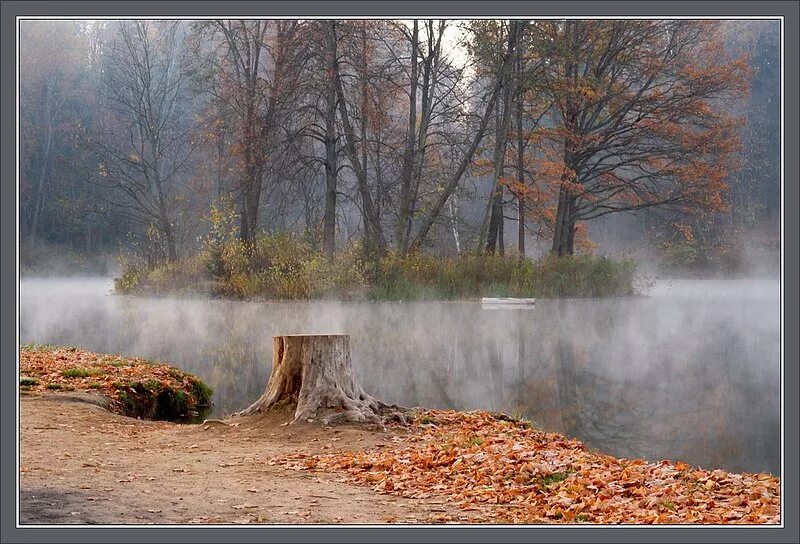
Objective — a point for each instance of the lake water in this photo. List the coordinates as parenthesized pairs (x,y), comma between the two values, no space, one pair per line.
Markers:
(690,372)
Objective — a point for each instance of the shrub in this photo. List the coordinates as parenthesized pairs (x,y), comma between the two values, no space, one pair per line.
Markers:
(129,280)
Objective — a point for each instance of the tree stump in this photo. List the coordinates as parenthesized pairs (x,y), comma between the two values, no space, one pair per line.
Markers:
(314,372)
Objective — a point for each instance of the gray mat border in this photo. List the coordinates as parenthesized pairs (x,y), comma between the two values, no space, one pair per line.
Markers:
(354,8)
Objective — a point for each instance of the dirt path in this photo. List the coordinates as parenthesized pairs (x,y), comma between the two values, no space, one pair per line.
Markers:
(82,464)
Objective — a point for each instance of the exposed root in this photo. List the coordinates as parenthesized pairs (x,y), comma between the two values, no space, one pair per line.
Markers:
(372,412)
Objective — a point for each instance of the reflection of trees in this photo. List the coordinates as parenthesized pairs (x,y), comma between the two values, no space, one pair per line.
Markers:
(441,385)
(238,373)
(592,406)
(495,359)
(568,399)
(698,403)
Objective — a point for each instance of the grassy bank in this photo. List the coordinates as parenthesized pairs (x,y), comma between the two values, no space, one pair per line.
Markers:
(135,387)
(286,267)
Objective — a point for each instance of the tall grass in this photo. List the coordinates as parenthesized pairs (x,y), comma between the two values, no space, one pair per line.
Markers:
(421,276)
(283,266)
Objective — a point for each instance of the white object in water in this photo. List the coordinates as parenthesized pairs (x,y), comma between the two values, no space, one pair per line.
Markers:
(516,301)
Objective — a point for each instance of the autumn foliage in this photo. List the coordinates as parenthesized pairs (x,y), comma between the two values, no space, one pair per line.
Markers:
(634,120)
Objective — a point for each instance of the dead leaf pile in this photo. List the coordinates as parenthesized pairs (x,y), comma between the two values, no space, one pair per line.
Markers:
(510,473)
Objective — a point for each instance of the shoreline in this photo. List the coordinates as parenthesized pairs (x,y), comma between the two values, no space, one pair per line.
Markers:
(81,463)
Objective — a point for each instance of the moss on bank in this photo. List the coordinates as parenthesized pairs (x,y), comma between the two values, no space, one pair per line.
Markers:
(135,387)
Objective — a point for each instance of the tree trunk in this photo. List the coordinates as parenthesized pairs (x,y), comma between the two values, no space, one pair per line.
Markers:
(38,202)
(521,225)
(331,167)
(314,373)
(501,243)
(244,232)
(172,251)
(454,224)
(518,93)
(564,236)
(251,189)
(503,116)
(403,221)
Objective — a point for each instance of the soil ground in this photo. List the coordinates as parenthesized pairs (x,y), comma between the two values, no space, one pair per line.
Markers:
(81,464)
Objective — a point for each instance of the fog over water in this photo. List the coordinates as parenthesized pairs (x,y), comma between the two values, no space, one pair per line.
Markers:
(690,372)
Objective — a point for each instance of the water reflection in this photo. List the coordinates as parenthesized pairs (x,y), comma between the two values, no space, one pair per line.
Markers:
(691,373)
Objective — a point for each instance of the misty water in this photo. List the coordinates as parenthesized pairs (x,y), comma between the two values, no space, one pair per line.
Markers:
(690,372)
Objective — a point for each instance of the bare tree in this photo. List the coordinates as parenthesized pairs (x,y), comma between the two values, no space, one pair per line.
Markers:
(144,141)
(368,129)
(365,114)
(50,78)
(490,99)
(255,65)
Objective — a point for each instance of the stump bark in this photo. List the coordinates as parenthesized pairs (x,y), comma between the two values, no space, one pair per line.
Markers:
(314,372)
